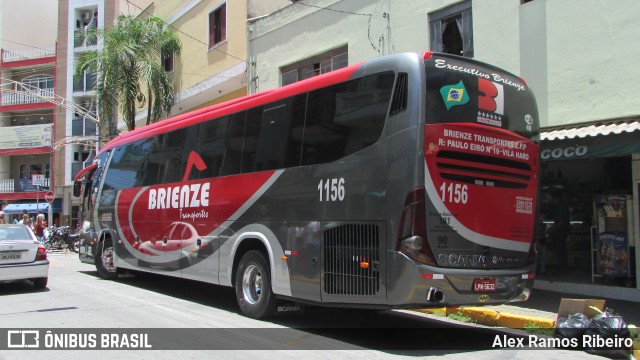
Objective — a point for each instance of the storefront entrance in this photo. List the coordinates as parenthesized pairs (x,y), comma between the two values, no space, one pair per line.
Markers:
(596,177)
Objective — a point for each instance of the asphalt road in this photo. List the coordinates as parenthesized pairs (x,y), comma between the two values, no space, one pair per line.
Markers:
(191,320)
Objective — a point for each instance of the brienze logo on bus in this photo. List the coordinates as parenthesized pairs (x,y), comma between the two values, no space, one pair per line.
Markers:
(178,197)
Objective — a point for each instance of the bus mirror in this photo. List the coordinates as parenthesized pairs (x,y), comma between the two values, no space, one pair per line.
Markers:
(77,188)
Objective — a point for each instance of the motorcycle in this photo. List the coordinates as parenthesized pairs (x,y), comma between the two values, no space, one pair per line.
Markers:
(60,238)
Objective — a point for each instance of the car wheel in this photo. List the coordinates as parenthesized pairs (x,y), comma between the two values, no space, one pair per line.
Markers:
(105,260)
(253,286)
(40,283)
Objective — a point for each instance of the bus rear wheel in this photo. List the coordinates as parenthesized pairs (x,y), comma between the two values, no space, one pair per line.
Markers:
(105,260)
(253,286)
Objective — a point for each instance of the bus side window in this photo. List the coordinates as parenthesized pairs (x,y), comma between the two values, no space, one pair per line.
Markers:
(234,142)
(346,118)
(277,146)
(174,149)
(252,129)
(211,147)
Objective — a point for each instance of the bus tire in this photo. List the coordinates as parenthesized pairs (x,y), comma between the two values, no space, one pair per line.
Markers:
(253,286)
(105,261)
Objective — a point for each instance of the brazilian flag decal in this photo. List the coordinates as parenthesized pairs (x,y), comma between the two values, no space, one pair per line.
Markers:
(454,95)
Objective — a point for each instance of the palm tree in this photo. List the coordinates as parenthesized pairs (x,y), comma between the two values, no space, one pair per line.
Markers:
(128,62)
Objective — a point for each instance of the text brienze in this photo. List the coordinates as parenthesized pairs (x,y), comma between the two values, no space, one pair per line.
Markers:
(179,197)
(587,341)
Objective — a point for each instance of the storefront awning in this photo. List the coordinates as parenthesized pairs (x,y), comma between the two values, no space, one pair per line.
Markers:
(612,138)
(32,208)
(591,129)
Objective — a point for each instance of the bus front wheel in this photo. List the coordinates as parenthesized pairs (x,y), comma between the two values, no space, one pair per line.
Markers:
(105,260)
(253,286)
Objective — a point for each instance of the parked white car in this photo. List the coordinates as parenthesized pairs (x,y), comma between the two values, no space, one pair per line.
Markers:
(22,256)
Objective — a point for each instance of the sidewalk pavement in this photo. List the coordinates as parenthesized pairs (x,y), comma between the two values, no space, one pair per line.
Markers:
(539,311)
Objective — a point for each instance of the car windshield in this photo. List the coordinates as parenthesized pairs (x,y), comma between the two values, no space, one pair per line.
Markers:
(14,233)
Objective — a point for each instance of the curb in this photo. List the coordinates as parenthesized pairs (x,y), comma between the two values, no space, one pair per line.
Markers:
(490,317)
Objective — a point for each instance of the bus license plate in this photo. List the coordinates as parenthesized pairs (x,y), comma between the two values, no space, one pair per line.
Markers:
(484,285)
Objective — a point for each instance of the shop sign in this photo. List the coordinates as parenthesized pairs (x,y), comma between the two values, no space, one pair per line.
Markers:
(591,147)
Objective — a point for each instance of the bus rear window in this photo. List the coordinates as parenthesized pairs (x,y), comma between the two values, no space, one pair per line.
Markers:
(463,90)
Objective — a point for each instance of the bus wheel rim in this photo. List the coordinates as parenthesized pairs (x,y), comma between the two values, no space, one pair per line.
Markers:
(107,260)
(252,284)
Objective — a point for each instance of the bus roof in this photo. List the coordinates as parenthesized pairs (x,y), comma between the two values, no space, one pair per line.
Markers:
(232,106)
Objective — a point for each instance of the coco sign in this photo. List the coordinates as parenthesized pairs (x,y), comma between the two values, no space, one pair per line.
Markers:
(564,152)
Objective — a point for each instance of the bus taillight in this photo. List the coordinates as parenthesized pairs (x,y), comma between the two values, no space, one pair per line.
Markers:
(412,240)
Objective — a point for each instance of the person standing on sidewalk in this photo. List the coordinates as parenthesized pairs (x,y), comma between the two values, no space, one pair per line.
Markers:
(559,232)
(39,228)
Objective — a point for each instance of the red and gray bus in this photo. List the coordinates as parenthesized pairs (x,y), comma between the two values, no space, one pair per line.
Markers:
(406,181)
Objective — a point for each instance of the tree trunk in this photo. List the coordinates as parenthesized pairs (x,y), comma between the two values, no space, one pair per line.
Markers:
(149,104)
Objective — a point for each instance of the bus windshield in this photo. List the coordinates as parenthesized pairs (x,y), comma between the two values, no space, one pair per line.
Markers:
(466,91)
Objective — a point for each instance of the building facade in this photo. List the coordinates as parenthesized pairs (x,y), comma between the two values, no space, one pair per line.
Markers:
(27,118)
(575,55)
(211,66)
(77,132)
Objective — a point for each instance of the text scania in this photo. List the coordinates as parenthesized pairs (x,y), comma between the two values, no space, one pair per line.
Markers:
(179,197)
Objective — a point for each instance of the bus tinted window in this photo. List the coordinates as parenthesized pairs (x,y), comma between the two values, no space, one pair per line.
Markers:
(468,91)
(175,150)
(345,118)
(269,139)
(233,145)
(150,169)
(211,147)
(129,165)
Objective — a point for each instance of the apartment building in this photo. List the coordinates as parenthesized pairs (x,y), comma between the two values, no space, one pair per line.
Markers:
(211,67)
(577,56)
(27,117)
(77,131)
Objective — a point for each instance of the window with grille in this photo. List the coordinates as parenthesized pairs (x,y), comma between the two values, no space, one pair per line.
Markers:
(315,65)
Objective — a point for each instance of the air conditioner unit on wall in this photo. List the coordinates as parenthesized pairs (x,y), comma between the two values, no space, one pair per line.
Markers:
(86,15)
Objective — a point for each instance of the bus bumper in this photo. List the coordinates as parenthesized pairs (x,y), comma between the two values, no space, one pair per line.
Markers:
(412,284)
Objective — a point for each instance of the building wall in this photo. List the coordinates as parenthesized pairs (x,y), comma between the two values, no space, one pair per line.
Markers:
(574,54)
(592,73)
(202,75)
(16,15)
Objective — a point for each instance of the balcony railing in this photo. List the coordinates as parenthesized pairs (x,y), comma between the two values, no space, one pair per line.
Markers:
(82,38)
(19,98)
(28,54)
(87,82)
(21,185)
